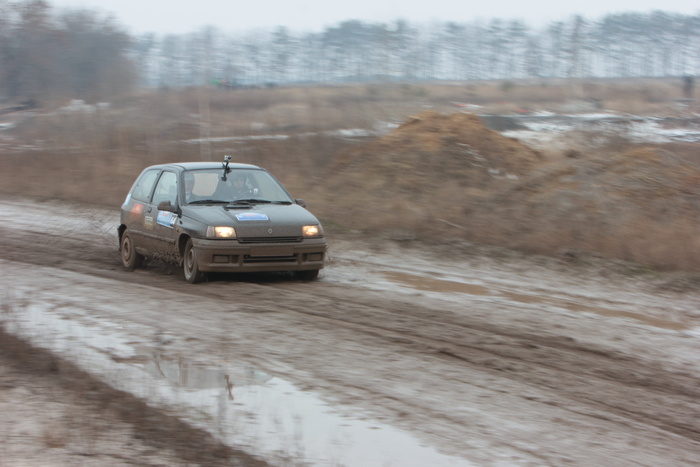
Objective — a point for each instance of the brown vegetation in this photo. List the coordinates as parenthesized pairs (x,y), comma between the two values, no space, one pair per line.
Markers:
(441,174)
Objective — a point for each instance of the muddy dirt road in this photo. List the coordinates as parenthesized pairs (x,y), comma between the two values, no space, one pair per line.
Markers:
(400,354)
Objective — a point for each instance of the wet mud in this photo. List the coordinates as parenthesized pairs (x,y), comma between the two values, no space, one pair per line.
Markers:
(457,359)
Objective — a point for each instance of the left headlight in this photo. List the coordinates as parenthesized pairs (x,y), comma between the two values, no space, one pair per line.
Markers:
(311,231)
(221,232)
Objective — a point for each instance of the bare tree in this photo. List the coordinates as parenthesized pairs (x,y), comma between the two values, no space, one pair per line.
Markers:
(45,56)
(623,44)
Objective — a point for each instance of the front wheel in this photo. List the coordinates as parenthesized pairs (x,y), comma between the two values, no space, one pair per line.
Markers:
(190,266)
(131,259)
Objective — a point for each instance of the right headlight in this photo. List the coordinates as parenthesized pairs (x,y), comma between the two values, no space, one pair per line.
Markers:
(221,232)
(312,231)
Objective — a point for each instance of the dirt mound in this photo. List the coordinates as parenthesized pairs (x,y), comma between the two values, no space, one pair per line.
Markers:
(648,174)
(638,177)
(430,145)
(440,176)
(430,167)
(462,138)
(641,205)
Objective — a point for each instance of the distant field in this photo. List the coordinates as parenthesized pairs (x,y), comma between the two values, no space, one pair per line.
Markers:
(93,153)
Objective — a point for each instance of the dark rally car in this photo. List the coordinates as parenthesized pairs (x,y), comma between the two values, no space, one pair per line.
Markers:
(223,217)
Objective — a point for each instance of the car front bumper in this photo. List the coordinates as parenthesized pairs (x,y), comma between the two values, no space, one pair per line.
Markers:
(232,256)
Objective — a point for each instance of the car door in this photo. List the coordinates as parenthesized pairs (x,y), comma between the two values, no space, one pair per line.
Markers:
(135,208)
(162,223)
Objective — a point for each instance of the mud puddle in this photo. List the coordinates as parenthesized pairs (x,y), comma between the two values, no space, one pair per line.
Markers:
(443,286)
(250,409)
(239,404)
(186,374)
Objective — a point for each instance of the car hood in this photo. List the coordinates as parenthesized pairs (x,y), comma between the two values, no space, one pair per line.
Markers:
(256,220)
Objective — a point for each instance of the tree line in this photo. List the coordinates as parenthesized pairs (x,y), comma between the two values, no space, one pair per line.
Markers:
(654,44)
(48,54)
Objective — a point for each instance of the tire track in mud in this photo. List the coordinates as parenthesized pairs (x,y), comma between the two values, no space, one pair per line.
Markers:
(603,384)
(634,390)
(629,388)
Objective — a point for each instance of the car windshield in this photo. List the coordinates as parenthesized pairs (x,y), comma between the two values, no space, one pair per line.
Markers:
(252,186)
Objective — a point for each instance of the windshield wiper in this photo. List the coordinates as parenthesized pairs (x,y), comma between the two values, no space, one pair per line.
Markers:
(251,201)
(208,201)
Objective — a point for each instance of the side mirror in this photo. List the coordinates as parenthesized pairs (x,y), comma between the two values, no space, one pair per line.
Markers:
(300,202)
(166,206)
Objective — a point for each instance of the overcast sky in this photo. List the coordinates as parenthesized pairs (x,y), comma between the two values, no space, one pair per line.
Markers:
(173,16)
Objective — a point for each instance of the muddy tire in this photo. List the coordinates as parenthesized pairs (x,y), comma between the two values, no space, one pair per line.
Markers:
(307,275)
(131,259)
(190,266)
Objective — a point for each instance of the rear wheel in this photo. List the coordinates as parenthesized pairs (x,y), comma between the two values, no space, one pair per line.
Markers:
(131,259)
(307,275)
(190,266)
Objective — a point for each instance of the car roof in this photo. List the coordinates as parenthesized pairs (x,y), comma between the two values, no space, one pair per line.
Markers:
(203,165)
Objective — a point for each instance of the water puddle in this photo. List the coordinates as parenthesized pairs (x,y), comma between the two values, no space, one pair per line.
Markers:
(574,306)
(430,284)
(253,410)
(182,373)
(242,406)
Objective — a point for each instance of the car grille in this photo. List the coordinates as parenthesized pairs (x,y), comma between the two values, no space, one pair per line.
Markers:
(269,259)
(270,240)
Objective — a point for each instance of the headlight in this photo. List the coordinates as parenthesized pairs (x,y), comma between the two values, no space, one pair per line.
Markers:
(310,231)
(221,232)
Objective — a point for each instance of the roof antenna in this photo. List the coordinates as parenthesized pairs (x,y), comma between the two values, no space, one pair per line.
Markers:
(227,159)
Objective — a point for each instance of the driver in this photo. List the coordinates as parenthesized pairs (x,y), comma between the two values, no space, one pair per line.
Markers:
(235,187)
(239,187)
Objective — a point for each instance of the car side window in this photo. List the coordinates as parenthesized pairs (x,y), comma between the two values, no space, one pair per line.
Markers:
(166,189)
(144,186)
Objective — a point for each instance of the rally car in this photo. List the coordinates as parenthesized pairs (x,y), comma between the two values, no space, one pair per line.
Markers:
(218,217)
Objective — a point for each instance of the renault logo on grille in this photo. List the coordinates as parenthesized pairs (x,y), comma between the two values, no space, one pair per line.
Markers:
(269,231)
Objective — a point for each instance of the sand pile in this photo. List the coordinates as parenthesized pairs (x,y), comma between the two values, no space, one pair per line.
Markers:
(432,147)
(431,167)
